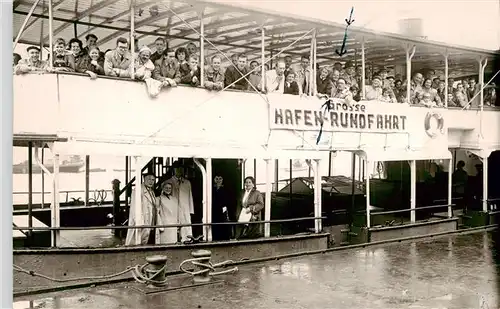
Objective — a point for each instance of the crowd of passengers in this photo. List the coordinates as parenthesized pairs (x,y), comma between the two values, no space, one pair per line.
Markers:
(182,66)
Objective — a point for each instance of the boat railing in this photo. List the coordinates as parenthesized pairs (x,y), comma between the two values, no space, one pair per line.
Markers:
(384,218)
(100,197)
(493,204)
(485,106)
(305,229)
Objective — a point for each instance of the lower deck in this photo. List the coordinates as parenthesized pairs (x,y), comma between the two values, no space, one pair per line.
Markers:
(455,271)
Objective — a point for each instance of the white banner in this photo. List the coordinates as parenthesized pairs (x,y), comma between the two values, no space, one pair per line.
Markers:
(367,116)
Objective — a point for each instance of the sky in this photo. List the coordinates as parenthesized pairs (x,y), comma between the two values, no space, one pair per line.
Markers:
(470,23)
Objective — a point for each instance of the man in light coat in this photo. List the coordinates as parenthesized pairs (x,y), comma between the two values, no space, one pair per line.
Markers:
(182,190)
(117,62)
(149,214)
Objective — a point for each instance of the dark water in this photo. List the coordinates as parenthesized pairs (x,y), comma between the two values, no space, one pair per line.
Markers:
(448,272)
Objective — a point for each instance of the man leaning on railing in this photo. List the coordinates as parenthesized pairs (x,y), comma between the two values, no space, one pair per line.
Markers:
(117,62)
(32,64)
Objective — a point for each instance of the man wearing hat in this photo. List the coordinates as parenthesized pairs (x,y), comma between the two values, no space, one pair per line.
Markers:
(32,63)
(349,74)
(149,213)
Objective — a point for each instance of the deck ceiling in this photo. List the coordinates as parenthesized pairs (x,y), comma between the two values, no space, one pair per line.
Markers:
(234,30)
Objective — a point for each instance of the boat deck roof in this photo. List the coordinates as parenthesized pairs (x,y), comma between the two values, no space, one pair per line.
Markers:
(235,29)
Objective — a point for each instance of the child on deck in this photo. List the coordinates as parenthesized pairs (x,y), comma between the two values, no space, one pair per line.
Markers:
(62,61)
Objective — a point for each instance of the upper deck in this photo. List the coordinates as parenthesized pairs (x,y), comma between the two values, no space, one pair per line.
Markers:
(117,116)
(111,116)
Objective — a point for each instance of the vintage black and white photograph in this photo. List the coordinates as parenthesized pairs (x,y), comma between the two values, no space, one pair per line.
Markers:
(275,154)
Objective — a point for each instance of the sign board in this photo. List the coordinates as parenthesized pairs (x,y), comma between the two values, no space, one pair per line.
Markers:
(336,115)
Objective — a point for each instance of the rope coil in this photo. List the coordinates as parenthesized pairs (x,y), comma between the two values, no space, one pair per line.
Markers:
(207,267)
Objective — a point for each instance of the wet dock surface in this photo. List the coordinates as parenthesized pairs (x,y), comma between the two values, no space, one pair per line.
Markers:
(446,272)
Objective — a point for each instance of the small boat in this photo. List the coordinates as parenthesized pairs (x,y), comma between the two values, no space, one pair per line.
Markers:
(297,166)
(73,165)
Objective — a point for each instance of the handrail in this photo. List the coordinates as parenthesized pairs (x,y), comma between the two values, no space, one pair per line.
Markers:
(494,108)
(60,192)
(71,228)
(67,192)
(410,209)
(496,199)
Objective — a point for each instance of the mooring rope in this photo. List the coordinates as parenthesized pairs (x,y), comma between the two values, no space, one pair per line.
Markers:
(36,274)
(207,267)
(140,274)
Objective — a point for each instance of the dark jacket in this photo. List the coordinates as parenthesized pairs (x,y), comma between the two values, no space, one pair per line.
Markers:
(293,88)
(231,75)
(187,77)
(324,86)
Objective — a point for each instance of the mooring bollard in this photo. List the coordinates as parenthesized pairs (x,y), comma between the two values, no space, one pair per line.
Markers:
(203,267)
(153,273)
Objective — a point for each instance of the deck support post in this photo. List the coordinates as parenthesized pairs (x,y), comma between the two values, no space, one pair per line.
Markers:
(30,190)
(314,62)
(87,179)
(262,58)
(204,197)
(413,189)
(318,196)
(136,207)
(450,184)
(482,67)
(363,67)
(51,36)
(55,212)
(311,66)
(485,183)
(202,48)
(367,179)
(267,202)
(210,178)
(409,56)
(276,175)
(132,41)
(446,76)
(43,179)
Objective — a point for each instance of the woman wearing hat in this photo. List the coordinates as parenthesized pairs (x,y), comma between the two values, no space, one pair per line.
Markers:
(143,65)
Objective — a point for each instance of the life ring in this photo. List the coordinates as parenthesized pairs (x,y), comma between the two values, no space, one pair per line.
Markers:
(427,124)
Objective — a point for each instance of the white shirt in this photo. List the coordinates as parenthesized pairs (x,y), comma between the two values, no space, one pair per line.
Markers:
(273,82)
(245,197)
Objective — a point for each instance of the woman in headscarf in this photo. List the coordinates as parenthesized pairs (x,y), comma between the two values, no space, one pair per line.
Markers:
(168,214)
(250,209)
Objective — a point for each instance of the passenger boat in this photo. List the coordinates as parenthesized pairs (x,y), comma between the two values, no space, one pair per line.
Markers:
(388,146)
(73,165)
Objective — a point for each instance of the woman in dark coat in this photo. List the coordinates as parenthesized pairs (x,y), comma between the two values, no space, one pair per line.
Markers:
(220,211)
(249,209)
